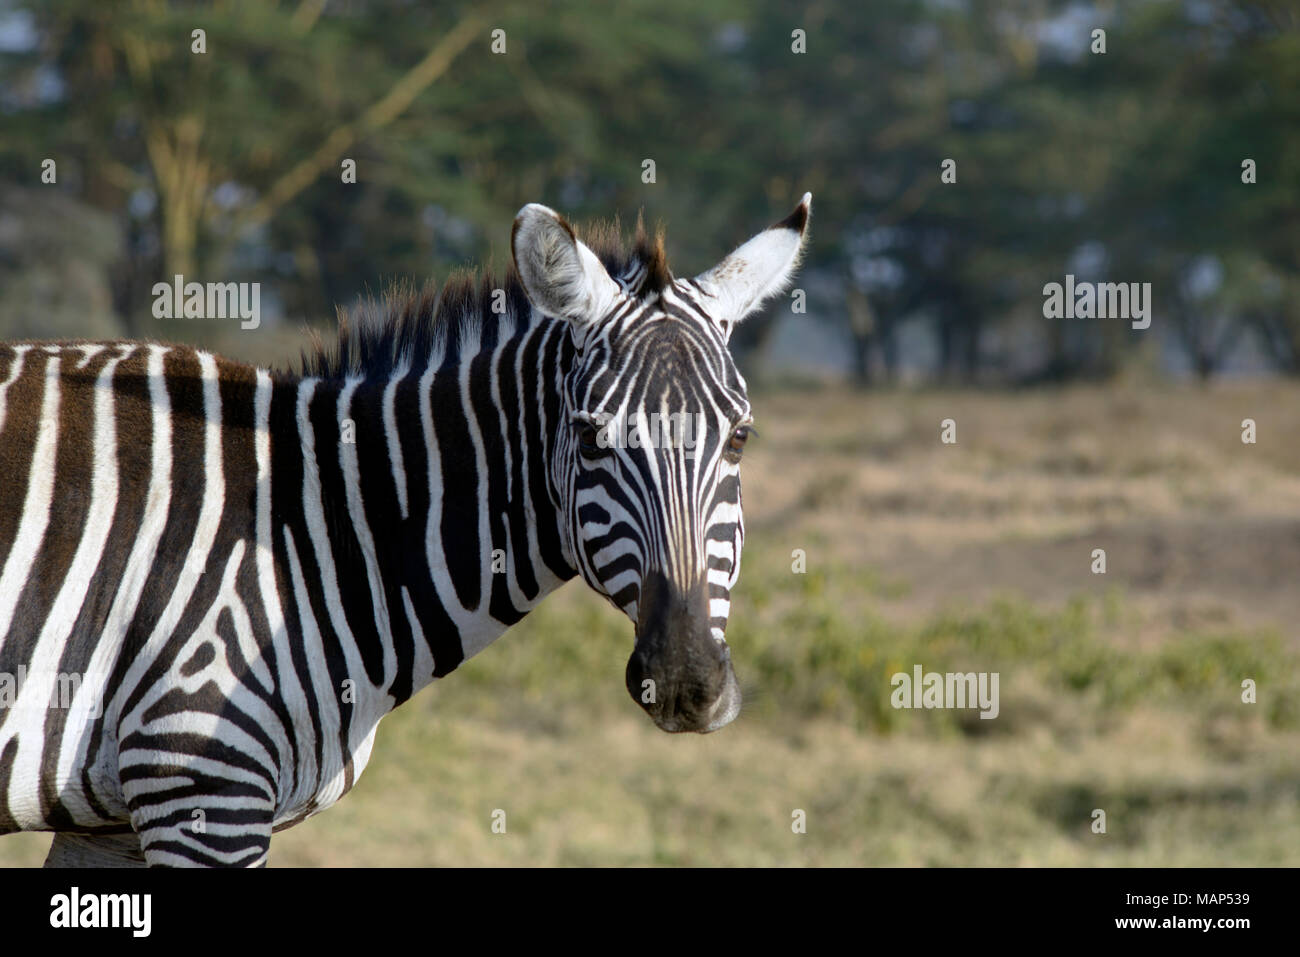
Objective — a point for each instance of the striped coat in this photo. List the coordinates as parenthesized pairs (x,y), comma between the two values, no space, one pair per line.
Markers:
(216,579)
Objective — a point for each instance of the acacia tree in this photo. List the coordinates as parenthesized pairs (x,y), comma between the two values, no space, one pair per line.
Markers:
(217,134)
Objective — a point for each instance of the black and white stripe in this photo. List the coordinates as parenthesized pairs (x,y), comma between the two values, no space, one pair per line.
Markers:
(245,570)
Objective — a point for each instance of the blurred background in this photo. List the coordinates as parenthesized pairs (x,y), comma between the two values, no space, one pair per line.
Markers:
(923,301)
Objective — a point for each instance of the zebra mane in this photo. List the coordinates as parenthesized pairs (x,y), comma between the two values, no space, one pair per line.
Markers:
(408,323)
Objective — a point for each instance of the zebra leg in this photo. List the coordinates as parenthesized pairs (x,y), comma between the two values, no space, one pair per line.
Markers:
(226,824)
(95,850)
(211,832)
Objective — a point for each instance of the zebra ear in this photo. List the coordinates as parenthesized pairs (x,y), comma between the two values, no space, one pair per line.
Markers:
(561,276)
(757,270)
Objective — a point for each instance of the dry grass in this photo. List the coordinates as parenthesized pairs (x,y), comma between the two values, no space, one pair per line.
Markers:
(1119,692)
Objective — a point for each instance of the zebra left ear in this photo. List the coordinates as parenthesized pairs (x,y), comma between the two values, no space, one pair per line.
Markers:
(560,275)
(757,270)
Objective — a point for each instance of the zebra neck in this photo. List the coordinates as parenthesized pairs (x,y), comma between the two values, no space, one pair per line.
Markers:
(429,516)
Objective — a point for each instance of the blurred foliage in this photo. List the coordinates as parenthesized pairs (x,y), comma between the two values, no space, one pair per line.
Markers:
(1122,166)
(820,650)
(841,667)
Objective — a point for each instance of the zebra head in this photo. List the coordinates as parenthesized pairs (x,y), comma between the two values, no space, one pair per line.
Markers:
(646,460)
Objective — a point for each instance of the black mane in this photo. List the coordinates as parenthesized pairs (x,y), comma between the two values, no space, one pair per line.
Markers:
(376,336)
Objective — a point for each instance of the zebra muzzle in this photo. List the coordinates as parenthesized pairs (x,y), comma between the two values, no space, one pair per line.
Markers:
(678,673)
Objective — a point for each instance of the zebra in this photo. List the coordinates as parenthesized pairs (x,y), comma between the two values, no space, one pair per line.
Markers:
(216,579)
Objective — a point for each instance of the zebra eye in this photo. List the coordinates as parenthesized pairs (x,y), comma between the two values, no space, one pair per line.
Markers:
(736,444)
(589,442)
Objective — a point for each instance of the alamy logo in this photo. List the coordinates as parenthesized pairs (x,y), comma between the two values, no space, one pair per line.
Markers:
(655,430)
(932,689)
(1098,300)
(74,909)
(213,300)
(25,691)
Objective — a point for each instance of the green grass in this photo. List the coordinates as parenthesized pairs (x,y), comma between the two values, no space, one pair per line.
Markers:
(539,726)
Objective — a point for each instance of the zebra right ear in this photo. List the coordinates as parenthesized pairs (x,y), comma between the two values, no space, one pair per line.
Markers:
(560,275)
(757,270)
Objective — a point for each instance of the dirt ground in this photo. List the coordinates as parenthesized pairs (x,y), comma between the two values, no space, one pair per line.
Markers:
(1195,523)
